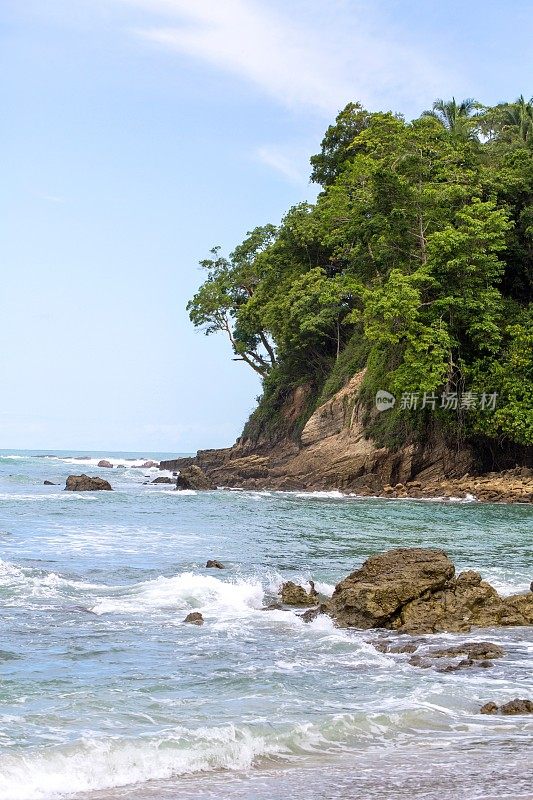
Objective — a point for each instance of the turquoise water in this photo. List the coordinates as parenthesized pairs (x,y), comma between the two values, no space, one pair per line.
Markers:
(106,694)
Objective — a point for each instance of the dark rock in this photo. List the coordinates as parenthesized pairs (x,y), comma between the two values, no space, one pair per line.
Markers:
(294,595)
(163,479)
(84,483)
(474,650)
(50,483)
(106,464)
(194,478)
(517,706)
(310,614)
(214,564)
(403,648)
(273,607)
(194,618)
(466,662)
(489,708)
(420,661)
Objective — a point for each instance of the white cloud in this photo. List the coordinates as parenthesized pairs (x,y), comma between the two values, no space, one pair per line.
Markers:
(312,54)
(293,166)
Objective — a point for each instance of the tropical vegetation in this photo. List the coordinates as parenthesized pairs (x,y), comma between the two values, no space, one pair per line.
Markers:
(415,262)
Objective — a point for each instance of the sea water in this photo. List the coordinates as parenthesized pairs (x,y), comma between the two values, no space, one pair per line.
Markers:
(106,694)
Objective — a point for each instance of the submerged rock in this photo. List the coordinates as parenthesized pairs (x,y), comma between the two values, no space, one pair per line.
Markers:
(50,483)
(84,483)
(194,618)
(477,651)
(104,463)
(294,595)
(163,479)
(214,564)
(414,590)
(194,478)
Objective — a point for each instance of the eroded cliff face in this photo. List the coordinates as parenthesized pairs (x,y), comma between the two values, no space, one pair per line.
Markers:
(333,452)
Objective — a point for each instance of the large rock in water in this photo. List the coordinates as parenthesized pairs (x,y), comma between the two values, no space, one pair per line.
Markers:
(84,483)
(414,590)
(194,478)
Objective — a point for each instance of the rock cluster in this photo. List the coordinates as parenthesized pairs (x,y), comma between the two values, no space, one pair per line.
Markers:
(85,483)
(414,590)
(511,708)
(443,659)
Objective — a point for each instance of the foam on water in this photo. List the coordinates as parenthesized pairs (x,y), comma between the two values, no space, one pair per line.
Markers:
(187,590)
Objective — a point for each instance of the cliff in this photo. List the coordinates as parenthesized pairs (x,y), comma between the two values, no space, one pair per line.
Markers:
(333,451)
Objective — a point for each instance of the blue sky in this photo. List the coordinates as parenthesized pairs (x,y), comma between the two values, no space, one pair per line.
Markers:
(137,134)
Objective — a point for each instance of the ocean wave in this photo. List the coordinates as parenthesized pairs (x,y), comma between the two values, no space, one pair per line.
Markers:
(187,590)
(96,764)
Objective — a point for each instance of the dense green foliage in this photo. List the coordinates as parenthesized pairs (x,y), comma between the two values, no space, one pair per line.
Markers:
(416,261)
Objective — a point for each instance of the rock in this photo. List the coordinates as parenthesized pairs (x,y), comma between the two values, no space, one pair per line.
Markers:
(414,591)
(84,483)
(194,618)
(465,662)
(294,595)
(488,708)
(517,706)
(513,707)
(310,614)
(214,564)
(273,607)
(403,648)
(106,464)
(194,478)
(374,595)
(477,651)
(50,483)
(162,479)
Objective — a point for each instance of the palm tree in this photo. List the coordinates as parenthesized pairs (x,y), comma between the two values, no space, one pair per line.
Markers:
(455,117)
(519,115)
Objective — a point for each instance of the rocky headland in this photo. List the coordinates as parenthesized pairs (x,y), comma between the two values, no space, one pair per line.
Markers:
(334,451)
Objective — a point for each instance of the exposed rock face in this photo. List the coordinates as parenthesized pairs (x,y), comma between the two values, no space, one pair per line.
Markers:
(84,483)
(214,564)
(294,595)
(413,590)
(511,708)
(162,479)
(106,464)
(194,478)
(194,618)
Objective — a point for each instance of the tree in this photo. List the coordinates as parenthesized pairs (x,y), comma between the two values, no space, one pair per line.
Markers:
(455,117)
(335,146)
(518,116)
(229,286)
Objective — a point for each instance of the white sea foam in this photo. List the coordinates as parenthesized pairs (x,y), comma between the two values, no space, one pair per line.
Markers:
(186,590)
(96,764)
(334,494)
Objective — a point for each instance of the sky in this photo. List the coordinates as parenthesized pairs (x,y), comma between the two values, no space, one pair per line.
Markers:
(138,134)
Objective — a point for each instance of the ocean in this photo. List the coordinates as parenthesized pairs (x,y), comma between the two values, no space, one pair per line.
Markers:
(107,694)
